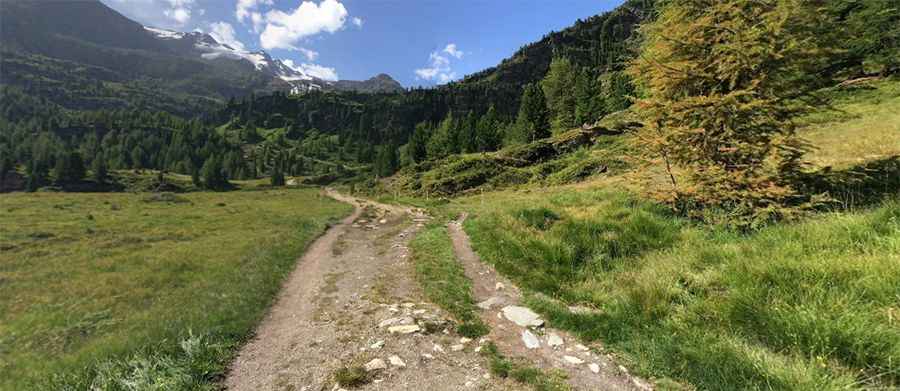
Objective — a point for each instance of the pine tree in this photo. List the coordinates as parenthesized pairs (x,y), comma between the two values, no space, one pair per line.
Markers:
(36,174)
(558,87)
(386,161)
(720,78)
(69,168)
(440,144)
(418,143)
(99,169)
(587,109)
(211,172)
(533,121)
(277,178)
(488,137)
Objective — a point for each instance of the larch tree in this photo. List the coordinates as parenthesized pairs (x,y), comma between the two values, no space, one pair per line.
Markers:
(723,81)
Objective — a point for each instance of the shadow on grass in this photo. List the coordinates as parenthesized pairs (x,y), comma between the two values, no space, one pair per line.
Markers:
(859,186)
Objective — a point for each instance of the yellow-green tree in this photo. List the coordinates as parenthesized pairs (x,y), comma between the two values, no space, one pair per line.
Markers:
(722,81)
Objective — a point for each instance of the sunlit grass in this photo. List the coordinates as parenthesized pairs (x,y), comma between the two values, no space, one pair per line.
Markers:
(86,278)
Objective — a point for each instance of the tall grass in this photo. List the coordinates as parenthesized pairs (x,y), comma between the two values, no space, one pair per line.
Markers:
(807,306)
(141,289)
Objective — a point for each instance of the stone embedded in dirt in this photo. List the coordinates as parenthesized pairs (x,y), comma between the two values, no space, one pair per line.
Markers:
(490,302)
(375,365)
(554,340)
(405,320)
(406,329)
(382,221)
(573,360)
(594,367)
(377,345)
(438,348)
(428,356)
(457,347)
(477,349)
(581,347)
(531,340)
(408,305)
(396,361)
(499,286)
(419,312)
(465,340)
(522,316)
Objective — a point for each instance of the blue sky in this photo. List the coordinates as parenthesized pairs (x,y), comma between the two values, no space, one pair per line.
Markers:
(422,42)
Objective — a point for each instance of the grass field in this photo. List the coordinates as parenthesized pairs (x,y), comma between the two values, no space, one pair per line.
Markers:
(811,305)
(120,290)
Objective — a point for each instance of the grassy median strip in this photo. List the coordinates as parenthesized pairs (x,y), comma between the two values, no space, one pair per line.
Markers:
(444,280)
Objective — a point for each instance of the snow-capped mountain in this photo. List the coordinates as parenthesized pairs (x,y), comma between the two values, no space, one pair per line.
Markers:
(207,47)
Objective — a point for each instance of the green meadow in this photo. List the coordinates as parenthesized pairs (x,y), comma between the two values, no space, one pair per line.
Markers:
(120,289)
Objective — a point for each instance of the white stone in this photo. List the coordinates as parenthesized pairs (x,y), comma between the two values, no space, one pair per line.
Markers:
(573,360)
(438,348)
(408,305)
(377,345)
(375,365)
(499,286)
(594,367)
(554,340)
(397,321)
(428,356)
(581,347)
(457,347)
(382,221)
(522,316)
(419,312)
(477,349)
(531,341)
(490,302)
(470,384)
(396,361)
(465,340)
(407,329)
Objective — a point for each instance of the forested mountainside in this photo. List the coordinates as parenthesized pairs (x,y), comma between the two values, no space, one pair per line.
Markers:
(567,79)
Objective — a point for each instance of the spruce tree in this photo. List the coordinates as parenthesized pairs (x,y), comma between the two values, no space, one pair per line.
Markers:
(533,121)
(211,172)
(418,143)
(277,178)
(488,137)
(69,168)
(99,169)
(558,87)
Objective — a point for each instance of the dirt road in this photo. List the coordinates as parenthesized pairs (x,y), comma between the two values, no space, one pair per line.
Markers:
(353,301)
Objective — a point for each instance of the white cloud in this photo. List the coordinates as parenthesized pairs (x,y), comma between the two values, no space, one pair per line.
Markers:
(314,70)
(283,30)
(311,55)
(244,9)
(357,21)
(179,11)
(224,33)
(453,51)
(158,13)
(439,69)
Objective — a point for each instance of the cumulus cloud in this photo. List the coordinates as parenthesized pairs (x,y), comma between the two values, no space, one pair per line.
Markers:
(314,70)
(311,55)
(283,30)
(158,13)
(245,9)
(224,33)
(357,21)
(453,51)
(179,11)
(439,69)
